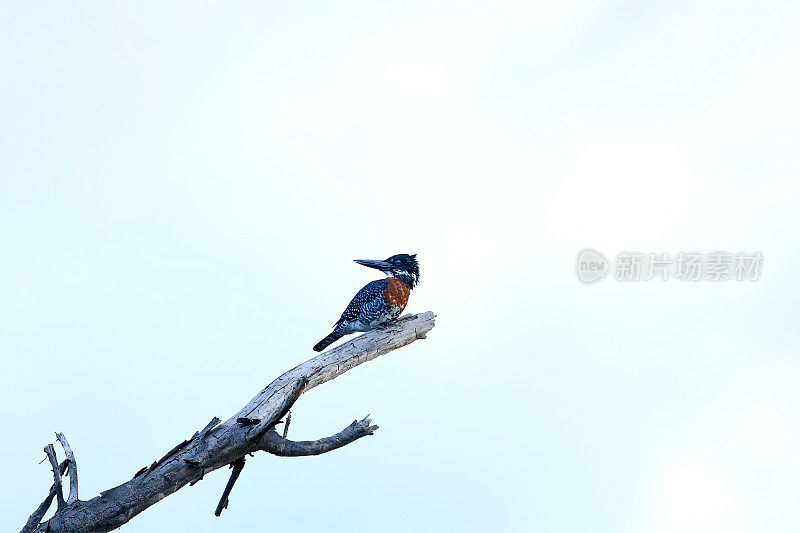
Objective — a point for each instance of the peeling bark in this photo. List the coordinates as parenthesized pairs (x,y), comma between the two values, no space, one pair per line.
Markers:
(220,444)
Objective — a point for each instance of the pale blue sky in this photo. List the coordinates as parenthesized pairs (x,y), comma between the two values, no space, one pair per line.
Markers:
(183,187)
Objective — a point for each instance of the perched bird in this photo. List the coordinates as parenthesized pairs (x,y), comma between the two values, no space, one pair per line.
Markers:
(379,302)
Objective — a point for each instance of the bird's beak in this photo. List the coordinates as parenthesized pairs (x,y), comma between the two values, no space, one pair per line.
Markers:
(380,265)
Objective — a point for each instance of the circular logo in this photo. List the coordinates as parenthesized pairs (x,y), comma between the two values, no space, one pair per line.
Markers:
(591,266)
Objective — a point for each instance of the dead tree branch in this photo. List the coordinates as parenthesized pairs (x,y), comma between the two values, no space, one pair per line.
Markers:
(72,465)
(38,514)
(277,445)
(236,468)
(51,455)
(220,444)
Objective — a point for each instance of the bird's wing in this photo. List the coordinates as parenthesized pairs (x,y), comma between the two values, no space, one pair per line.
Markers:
(368,293)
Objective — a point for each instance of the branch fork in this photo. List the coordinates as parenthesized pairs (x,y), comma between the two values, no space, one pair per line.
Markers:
(221,444)
(70,467)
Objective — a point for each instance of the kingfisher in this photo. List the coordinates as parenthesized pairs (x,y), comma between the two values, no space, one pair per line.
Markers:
(379,302)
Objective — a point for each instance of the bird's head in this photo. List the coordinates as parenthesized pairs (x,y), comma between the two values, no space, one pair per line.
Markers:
(403,266)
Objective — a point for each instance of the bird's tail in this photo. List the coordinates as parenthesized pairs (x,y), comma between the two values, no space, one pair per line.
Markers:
(327,341)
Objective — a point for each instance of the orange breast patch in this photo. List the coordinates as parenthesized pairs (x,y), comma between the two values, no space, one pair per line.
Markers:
(396,293)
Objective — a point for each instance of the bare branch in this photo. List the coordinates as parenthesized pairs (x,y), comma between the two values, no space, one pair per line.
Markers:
(36,517)
(237,467)
(38,514)
(251,429)
(51,454)
(286,425)
(336,361)
(277,445)
(73,469)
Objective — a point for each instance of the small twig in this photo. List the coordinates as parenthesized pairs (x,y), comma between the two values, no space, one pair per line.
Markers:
(286,426)
(51,454)
(73,469)
(237,467)
(273,443)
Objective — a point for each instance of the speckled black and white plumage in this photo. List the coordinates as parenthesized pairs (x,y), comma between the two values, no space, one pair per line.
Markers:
(366,306)
(366,311)
(379,302)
